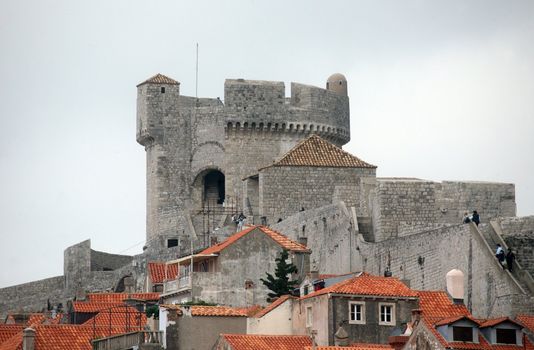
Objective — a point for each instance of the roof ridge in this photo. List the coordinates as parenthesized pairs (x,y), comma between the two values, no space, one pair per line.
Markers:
(159,79)
(317,152)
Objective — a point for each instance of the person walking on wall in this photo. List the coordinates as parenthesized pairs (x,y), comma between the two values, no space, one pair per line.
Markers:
(467,218)
(510,257)
(475,217)
(499,254)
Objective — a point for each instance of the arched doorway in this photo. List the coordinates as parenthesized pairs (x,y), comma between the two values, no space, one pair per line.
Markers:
(214,192)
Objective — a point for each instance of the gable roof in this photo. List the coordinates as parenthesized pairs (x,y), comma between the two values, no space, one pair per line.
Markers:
(124,317)
(317,152)
(365,284)
(527,321)
(159,79)
(279,238)
(266,342)
(217,311)
(156,271)
(453,319)
(436,305)
(274,305)
(355,346)
(101,301)
(495,321)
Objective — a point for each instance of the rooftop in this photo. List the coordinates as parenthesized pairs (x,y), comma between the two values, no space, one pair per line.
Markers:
(159,79)
(317,152)
(274,305)
(279,238)
(216,311)
(266,342)
(157,273)
(365,284)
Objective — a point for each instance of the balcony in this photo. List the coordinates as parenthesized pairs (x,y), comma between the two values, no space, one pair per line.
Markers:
(140,339)
(182,283)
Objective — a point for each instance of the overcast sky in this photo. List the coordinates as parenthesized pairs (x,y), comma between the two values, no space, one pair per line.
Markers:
(440,90)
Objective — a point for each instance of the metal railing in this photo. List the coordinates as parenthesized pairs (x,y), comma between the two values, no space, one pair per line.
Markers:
(128,340)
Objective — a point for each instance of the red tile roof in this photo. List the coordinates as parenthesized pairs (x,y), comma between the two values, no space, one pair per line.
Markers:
(222,311)
(92,307)
(156,271)
(365,284)
(279,238)
(436,305)
(317,152)
(356,346)
(527,321)
(274,305)
(159,79)
(453,319)
(120,297)
(266,342)
(8,331)
(126,318)
(13,343)
(495,321)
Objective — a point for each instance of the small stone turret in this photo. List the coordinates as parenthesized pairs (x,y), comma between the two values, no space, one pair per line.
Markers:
(337,83)
(157,97)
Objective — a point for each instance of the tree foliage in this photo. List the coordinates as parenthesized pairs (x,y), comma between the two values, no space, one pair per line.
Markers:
(280,284)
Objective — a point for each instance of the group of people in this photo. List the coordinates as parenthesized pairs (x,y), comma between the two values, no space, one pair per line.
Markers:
(505,259)
(472,218)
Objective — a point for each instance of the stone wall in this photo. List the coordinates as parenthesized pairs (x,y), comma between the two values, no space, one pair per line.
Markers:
(329,233)
(518,233)
(424,259)
(403,206)
(32,296)
(101,261)
(285,190)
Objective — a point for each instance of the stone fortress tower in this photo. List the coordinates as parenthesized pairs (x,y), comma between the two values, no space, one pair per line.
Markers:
(200,149)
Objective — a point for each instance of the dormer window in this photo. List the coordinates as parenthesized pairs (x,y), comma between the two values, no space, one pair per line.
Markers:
(506,336)
(464,334)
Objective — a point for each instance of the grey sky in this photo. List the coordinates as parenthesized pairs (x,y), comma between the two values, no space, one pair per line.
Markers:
(441,90)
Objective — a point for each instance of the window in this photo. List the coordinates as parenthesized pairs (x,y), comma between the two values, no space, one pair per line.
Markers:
(306,290)
(387,314)
(173,242)
(309,316)
(506,336)
(162,89)
(356,312)
(462,334)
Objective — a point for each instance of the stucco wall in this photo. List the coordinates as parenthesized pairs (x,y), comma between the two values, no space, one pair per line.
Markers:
(277,321)
(320,318)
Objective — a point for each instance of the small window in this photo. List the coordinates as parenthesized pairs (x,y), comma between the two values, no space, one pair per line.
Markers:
(356,312)
(306,290)
(309,316)
(163,89)
(462,334)
(173,242)
(506,336)
(387,314)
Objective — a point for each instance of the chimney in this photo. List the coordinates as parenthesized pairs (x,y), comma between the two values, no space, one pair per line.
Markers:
(128,284)
(28,339)
(314,275)
(416,317)
(303,240)
(455,285)
(341,338)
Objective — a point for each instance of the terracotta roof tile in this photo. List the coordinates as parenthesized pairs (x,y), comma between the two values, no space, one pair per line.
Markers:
(274,305)
(365,284)
(7,331)
(120,297)
(156,271)
(436,305)
(223,311)
(92,307)
(13,343)
(159,79)
(495,321)
(527,321)
(266,342)
(279,238)
(449,320)
(317,152)
(125,318)
(356,346)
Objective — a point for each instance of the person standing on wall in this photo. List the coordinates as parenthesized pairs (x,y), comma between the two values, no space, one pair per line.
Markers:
(510,257)
(475,217)
(467,218)
(499,253)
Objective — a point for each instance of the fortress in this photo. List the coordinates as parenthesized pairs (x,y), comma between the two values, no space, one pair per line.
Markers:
(279,161)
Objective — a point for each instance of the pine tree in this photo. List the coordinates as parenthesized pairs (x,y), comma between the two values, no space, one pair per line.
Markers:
(280,283)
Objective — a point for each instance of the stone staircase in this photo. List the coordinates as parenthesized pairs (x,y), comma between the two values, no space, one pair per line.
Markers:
(490,233)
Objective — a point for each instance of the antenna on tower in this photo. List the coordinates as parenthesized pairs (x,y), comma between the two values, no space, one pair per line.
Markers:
(196,82)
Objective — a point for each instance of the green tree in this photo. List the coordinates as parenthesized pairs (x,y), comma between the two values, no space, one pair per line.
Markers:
(280,284)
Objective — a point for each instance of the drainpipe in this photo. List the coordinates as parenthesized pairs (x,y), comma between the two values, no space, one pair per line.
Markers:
(28,339)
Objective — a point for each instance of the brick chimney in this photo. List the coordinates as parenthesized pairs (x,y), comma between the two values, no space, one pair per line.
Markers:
(28,339)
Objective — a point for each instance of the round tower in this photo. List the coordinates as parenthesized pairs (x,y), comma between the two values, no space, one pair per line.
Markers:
(337,83)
